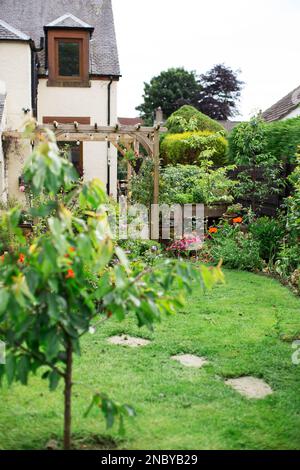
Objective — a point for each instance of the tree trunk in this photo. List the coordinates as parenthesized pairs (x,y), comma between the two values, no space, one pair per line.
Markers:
(68,397)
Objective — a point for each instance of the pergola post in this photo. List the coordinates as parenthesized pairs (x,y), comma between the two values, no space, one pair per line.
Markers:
(156,166)
(129,177)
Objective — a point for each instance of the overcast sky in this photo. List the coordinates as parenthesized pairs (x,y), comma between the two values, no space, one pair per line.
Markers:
(260,37)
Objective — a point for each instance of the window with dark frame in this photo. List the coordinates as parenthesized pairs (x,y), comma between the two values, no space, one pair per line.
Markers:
(74,153)
(68,58)
(69,55)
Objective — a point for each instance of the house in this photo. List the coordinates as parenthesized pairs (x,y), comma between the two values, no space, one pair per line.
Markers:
(58,62)
(129,121)
(286,108)
(229,125)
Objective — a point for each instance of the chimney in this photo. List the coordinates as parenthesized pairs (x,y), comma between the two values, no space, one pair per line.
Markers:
(159,116)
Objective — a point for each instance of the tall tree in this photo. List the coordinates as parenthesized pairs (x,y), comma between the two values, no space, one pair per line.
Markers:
(170,90)
(220,90)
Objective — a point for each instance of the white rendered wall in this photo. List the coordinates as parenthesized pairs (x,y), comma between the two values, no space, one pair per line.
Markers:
(15,72)
(293,114)
(85,102)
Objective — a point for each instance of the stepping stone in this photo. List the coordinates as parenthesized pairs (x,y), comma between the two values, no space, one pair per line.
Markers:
(188,360)
(250,387)
(130,341)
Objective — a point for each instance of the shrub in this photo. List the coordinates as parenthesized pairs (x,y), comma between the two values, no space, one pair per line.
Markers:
(269,233)
(289,256)
(260,177)
(283,138)
(236,249)
(185,246)
(193,147)
(239,253)
(188,118)
(141,186)
(147,250)
(188,184)
(293,205)
(280,138)
(288,260)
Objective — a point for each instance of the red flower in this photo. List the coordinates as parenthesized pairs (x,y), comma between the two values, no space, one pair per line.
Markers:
(21,258)
(70,274)
(237,220)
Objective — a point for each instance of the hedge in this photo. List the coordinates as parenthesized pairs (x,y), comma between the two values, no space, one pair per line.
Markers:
(189,148)
(183,117)
(284,138)
(281,139)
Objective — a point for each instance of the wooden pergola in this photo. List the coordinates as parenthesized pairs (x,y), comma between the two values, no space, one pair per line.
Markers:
(123,138)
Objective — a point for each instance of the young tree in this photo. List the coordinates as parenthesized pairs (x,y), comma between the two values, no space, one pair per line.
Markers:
(170,90)
(73,277)
(220,90)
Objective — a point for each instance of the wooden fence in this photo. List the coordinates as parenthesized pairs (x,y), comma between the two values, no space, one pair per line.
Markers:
(273,202)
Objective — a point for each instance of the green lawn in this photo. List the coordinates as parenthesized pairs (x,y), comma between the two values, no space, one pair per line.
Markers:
(243,328)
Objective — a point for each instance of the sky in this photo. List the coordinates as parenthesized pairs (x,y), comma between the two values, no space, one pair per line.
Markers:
(259,37)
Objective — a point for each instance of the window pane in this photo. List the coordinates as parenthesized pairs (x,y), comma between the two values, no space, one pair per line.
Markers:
(73,153)
(76,158)
(69,59)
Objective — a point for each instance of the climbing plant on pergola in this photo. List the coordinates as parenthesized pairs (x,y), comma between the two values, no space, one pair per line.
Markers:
(122,137)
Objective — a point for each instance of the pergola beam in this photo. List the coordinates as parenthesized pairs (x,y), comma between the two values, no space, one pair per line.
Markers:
(148,137)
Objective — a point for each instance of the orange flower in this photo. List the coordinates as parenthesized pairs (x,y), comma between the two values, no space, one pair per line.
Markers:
(72,249)
(70,274)
(213,230)
(2,258)
(237,220)
(21,258)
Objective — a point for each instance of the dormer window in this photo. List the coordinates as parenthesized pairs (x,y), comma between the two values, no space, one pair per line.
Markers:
(68,41)
(69,55)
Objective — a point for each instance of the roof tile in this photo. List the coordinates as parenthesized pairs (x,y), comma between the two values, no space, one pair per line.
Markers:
(283,107)
(31,16)
(8,33)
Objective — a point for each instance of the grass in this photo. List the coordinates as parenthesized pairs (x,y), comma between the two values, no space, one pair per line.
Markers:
(243,328)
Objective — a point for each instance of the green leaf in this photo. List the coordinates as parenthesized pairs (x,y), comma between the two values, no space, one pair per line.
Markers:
(43,210)
(52,344)
(54,379)
(121,278)
(10,368)
(4,299)
(122,257)
(55,227)
(53,307)
(96,400)
(14,217)
(104,286)
(23,369)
